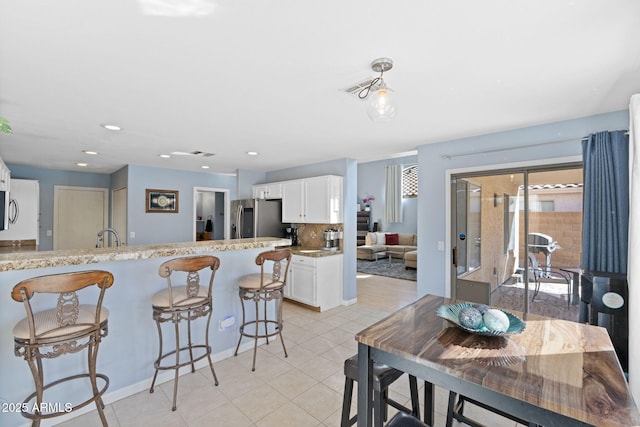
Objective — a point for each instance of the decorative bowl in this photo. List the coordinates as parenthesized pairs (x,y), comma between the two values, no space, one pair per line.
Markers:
(450,313)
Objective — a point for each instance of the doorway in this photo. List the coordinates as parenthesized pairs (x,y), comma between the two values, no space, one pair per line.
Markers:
(211,210)
(516,234)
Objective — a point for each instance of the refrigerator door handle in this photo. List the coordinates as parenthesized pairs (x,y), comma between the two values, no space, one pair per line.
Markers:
(14,211)
(239,220)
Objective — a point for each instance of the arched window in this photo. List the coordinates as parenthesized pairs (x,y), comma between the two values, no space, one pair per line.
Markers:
(410,181)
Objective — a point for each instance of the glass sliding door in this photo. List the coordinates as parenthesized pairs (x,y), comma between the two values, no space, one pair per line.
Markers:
(516,236)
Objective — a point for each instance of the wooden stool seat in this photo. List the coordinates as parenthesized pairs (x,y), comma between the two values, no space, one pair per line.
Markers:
(189,302)
(259,289)
(69,328)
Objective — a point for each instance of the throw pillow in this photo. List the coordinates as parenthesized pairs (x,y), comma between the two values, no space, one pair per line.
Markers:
(391,239)
(380,238)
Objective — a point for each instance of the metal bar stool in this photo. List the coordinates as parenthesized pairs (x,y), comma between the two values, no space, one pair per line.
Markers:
(268,285)
(455,411)
(405,420)
(69,328)
(383,377)
(185,302)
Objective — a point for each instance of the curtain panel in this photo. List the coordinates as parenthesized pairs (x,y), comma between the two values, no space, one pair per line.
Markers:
(606,202)
(393,193)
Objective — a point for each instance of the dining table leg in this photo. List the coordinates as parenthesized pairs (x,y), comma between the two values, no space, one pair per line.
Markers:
(429,399)
(365,386)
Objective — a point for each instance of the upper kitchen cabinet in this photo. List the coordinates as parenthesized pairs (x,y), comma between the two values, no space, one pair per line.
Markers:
(268,191)
(313,200)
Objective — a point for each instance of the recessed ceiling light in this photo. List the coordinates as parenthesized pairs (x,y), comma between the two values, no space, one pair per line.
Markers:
(204,167)
(111,127)
(165,156)
(83,165)
(252,153)
(180,153)
(93,153)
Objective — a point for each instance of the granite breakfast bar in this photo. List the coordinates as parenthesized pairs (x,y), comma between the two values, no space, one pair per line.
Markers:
(127,353)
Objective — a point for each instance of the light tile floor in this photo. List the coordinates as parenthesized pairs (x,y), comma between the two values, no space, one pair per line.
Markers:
(304,389)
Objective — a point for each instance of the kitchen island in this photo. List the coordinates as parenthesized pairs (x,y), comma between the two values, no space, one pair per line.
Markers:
(127,354)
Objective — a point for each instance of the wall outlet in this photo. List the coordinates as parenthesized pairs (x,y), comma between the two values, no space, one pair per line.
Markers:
(440,245)
(227,322)
(49,233)
(132,234)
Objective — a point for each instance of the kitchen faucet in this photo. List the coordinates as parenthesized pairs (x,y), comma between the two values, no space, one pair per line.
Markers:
(110,230)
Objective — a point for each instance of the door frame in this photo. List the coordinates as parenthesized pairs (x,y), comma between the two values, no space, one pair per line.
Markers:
(449,173)
(227,208)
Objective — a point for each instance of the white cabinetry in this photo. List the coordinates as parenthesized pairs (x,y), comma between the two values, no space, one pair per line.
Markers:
(313,200)
(268,191)
(316,282)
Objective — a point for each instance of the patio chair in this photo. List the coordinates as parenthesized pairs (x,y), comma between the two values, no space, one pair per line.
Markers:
(542,273)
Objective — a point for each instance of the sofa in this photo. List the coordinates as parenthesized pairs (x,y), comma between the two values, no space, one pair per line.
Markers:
(381,242)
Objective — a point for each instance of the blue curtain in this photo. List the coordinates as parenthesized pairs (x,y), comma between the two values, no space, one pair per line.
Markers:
(605,213)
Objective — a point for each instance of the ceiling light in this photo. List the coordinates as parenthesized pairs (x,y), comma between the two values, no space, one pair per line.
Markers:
(252,153)
(165,156)
(381,104)
(92,153)
(111,127)
(204,167)
(82,165)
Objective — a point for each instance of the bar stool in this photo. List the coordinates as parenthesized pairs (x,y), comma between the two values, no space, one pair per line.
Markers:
(383,377)
(268,285)
(456,411)
(185,302)
(68,328)
(405,420)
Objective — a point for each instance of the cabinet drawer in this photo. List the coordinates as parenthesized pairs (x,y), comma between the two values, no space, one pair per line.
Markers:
(303,260)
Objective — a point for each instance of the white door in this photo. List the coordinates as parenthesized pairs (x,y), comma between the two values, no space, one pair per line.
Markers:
(79,213)
(119,213)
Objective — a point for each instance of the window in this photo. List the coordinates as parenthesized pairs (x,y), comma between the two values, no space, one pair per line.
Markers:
(410,182)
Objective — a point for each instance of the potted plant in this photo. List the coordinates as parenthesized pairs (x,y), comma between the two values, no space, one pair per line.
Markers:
(4,126)
(366,201)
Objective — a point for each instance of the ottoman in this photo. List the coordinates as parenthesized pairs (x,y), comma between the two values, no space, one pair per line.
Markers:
(411,260)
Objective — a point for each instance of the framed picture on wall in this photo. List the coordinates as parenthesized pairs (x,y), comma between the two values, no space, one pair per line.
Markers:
(161,201)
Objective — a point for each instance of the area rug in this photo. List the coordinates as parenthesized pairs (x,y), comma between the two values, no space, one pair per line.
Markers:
(383,267)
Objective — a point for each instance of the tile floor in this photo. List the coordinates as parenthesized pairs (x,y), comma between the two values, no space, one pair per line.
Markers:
(304,389)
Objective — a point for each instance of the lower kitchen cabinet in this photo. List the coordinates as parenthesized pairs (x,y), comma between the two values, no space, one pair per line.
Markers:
(315,281)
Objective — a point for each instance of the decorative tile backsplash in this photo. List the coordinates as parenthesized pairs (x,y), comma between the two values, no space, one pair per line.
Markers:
(310,235)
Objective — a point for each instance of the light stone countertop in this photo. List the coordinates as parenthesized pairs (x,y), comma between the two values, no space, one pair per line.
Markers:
(45,259)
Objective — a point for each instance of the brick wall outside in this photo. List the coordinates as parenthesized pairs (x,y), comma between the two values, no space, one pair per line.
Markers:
(565,228)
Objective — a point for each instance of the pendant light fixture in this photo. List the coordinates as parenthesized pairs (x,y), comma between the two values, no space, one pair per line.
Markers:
(381,107)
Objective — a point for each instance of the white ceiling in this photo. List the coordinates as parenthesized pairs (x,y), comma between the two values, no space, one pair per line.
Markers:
(230,76)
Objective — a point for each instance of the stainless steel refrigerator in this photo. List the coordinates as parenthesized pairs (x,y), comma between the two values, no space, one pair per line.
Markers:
(256,218)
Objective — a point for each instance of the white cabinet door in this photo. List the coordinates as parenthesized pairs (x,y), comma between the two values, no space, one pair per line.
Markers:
(316,200)
(316,282)
(292,201)
(305,284)
(267,191)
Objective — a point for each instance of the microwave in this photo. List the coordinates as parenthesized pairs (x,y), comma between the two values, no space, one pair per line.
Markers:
(4,210)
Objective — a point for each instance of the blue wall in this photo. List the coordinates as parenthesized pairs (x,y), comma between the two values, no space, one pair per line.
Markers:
(48,178)
(149,228)
(371,182)
(432,209)
(153,228)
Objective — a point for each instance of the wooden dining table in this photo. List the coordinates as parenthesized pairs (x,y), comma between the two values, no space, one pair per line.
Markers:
(554,373)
